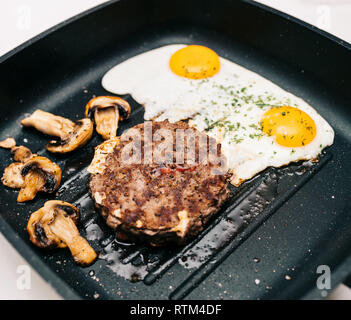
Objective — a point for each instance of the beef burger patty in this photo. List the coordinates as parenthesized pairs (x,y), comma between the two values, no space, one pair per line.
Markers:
(164,199)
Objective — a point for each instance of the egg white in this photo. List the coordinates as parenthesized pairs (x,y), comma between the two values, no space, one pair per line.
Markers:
(228,106)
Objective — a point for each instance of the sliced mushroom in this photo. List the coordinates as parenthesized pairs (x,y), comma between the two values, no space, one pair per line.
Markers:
(49,124)
(82,133)
(54,226)
(39,174)
(107,111)
(12,176)
(31,174)
(21,153)
(8,143)
(72,135)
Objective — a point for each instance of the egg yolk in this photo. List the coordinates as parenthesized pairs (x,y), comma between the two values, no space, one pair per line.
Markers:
(195,62)
(290,126)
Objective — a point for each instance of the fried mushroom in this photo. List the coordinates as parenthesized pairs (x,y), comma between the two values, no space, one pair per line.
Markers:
(31,174)
(39,175)
(12,176)
(82,133)
(8,143)
(54,226)
(72,135)
(107,111)
(21,153)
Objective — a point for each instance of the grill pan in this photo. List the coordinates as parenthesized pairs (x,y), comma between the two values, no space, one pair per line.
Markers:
(273,233)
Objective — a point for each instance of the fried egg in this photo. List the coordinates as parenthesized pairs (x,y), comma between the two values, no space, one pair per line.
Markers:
(257,123)
(165,80)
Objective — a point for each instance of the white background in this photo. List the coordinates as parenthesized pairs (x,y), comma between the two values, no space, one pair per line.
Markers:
(21,20)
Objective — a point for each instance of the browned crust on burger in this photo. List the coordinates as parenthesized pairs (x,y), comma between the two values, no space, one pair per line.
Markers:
(160,203)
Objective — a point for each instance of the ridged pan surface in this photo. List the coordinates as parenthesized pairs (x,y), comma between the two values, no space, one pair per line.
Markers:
(269,238)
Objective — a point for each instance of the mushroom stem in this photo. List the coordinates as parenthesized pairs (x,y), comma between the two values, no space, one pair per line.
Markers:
(65,229)
(33,183)
(49,124)
(107,111)
(107,122)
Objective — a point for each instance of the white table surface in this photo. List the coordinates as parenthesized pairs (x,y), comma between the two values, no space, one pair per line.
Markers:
(21,20)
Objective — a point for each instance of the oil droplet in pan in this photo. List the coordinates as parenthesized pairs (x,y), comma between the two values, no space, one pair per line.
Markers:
(113,254)
(93,232)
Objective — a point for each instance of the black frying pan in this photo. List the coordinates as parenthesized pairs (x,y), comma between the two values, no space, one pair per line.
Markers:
(308,206)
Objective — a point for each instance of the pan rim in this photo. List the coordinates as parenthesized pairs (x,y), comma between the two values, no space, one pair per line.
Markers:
(25,249)
(68,21)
